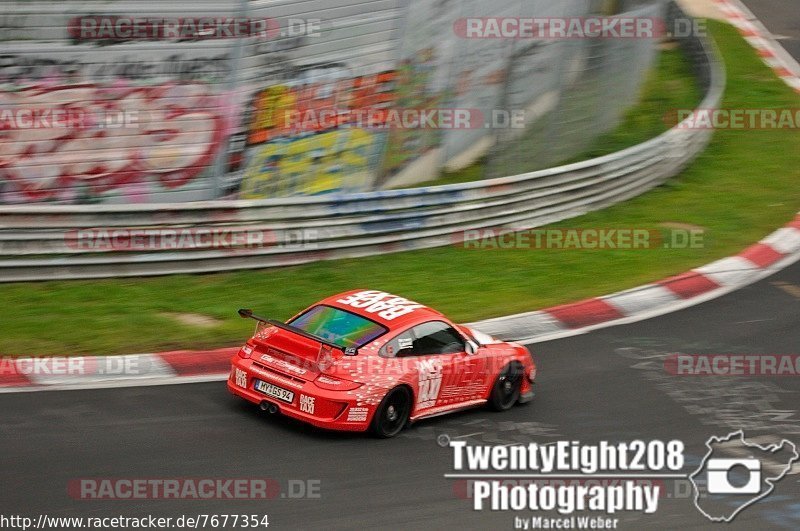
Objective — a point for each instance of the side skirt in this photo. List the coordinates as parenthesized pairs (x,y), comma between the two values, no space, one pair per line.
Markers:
(444,410)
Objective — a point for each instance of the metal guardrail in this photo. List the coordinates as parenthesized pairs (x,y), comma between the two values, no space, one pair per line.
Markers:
(41,242)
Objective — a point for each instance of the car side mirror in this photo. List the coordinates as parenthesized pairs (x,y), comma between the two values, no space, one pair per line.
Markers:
(471,347)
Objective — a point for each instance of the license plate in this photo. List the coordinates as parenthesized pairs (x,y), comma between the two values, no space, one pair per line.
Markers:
(274,391)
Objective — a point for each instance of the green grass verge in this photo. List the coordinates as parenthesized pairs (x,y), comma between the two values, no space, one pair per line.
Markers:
(669,85)
(739,190)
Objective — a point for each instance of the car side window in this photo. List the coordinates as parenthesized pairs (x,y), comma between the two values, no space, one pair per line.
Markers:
(401,346)
(433,337)
(436,337)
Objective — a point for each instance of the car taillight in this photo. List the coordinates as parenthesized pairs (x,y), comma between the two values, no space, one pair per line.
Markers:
(245,351)
(335,384)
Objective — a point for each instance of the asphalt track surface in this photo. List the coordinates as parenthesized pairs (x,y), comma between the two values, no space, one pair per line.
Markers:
(609,384)
(782,18)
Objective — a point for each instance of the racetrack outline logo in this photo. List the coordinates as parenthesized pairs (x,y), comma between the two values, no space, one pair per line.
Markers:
(769,480)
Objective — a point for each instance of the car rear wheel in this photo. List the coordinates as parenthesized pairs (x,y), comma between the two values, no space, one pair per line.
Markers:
(392,414)
(506,388)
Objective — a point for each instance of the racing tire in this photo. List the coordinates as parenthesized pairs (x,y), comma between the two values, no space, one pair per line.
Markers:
(392,413)
(506,388)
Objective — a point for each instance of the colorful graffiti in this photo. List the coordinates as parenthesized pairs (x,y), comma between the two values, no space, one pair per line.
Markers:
(314,164)
(297,153)
(160,137)
(279,111)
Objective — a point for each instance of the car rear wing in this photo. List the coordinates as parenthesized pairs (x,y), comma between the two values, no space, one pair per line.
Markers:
(246,313)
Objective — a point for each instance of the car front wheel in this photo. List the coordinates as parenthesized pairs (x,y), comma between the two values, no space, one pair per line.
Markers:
(506,388)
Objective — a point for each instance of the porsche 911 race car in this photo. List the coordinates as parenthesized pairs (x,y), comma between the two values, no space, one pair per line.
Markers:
(370,360)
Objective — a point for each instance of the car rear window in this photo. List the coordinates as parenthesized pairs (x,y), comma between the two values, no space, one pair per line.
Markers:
(338,326)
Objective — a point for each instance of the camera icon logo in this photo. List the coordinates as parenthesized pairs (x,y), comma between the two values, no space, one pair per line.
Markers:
(722,476)
(736,473)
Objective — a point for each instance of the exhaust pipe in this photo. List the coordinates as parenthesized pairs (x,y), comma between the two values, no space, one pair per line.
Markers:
(269,408)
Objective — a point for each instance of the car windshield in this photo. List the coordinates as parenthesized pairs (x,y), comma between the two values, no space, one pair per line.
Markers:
(338,326)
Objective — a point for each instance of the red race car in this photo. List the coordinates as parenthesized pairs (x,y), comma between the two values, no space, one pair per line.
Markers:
(370,360)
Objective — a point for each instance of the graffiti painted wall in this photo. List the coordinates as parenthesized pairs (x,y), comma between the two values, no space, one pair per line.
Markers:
(87,118)
(299,140)
(120,101)
(124,101)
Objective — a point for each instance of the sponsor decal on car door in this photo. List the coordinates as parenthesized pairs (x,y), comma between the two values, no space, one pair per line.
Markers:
(430,381)
(465,377)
